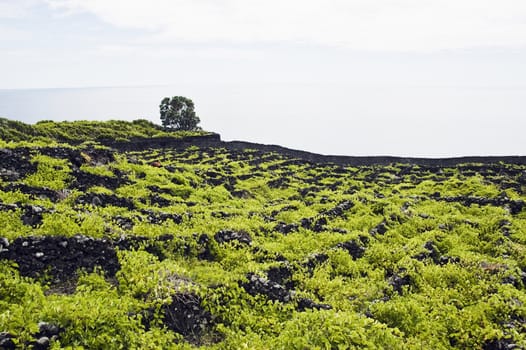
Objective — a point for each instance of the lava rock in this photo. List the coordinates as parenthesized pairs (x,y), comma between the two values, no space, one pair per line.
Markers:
(444,260)
(42,343)
(279,183)
(354,248)
(91,156)
(504,226)
(306,223)
(35,192)
(4,244)
(282,275)
(339,230)
(104,200)
(513,206)
(124,222)
(186,316)
(340,209)
(160,217)
(259,285)
(305,304)
(319,224)
(60,257)
(8,207)
(84,180)
(6,341)
(32,215)
(431,252)
(379,229)
(156,199)
(285,228)
(500,344)
(315,260)
(46,329)
(157,189)
(510,279)
(15,164)
(73,155)
(398,280)
(225,236)
(204,248)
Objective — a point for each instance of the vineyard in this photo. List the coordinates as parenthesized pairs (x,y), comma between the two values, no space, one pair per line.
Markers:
(203,245)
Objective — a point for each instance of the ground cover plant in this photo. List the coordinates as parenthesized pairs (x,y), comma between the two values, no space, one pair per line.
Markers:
(227,248)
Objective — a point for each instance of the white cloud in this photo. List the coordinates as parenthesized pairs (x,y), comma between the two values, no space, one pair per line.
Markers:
(399,25)
(145,51)
(15,9)
(9,34)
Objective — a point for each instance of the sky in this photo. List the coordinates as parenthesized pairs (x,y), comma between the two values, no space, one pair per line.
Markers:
(399,77)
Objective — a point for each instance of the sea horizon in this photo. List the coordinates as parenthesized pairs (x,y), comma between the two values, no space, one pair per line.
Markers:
(324,118)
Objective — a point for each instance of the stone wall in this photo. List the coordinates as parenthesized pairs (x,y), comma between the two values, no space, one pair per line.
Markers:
(214,140)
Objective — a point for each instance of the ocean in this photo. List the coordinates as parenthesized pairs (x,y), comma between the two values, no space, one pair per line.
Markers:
(340,119)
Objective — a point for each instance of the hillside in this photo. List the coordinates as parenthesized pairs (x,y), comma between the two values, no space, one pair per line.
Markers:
(77,132)
(119,235)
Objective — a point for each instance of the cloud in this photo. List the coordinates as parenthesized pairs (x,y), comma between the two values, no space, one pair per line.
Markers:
(144,51)
(15,9)
(399,25)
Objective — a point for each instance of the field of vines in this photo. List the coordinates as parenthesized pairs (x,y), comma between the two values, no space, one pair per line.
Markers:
(211,248)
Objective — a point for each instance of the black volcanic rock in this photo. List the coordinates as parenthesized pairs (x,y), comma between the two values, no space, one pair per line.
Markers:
(398,280)
(154,217)
(6,341)
(340,209)
(186,316)
(281,274)
(306,304)
(315,260)
(500,344)
(272,290)
(285,228)
(91,156)
(355,249)
(379,229)
(224,236)
(35,192)
(104,200)
(32,215)
(60,257)
(84,180)
(15,164)
(514,206)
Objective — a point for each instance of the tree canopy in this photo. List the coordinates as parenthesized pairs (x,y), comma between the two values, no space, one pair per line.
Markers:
(177,113)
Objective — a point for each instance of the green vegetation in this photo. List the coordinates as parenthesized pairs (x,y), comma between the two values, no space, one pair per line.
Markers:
(84,131)
(229,249)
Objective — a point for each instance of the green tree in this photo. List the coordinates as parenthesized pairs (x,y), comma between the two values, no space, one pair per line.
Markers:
(177,113)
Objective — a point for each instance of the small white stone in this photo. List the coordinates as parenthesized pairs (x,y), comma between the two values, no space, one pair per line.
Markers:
(39,254)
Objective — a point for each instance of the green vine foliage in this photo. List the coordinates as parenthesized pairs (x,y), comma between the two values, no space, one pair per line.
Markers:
(258,250)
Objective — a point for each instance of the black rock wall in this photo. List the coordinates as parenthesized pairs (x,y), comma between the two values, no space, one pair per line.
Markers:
(214,140)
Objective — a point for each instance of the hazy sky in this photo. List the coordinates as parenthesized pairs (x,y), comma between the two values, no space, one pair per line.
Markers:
(388,66)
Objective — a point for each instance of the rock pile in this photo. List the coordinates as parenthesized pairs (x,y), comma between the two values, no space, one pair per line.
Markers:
(60,257)
(186,316)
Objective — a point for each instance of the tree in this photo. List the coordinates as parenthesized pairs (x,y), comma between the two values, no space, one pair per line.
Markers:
(177,113)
